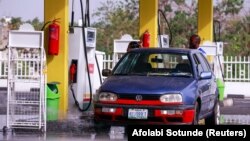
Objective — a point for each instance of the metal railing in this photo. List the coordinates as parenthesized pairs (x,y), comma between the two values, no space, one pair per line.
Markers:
(237,68)
(3,64)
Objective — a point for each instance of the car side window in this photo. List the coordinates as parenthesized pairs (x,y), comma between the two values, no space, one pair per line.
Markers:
(206,62)
(198,64)
(126,65)
(203,62)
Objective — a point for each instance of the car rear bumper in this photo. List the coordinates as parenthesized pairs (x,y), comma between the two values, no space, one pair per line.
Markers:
(173,114)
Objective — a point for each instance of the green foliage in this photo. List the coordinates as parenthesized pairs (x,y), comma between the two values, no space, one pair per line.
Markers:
(182,27)
(237,37)
(235,30)
(15,23)
(179,2)
(116,18)
(36,23)
(226,9)
(168,8)
(2,20)
(183,22)
(231,6)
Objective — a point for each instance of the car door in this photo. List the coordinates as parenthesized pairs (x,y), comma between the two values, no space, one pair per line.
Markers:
(213,85)
(203,85)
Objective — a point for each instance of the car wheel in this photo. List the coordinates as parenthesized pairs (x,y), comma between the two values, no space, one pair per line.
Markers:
(196,114)
(214,119)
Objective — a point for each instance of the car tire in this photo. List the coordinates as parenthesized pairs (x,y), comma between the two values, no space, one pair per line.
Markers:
(196,114)
(214,119)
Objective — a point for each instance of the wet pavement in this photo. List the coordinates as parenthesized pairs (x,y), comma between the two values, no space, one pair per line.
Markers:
(74,128)
(235,112)
(81,126)
(65,131)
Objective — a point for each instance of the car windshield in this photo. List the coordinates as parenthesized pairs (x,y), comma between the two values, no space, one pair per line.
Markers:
(154,64)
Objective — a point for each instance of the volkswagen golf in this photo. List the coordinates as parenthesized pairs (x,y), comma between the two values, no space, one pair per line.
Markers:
(158,86)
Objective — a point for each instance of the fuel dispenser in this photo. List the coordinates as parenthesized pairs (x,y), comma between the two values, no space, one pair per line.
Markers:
(214,55)
(78,74)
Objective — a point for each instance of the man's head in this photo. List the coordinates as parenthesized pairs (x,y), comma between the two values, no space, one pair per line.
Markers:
(133,45)
(194,41)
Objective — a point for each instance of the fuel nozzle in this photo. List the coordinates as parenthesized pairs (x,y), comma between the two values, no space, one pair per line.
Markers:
(72,72)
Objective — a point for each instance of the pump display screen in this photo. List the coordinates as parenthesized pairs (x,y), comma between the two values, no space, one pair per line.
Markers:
(90,36)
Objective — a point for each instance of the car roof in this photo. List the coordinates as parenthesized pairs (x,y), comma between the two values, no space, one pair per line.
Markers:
(165,50)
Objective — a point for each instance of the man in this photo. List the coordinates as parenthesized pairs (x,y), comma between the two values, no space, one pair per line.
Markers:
(194,43)
(133,45)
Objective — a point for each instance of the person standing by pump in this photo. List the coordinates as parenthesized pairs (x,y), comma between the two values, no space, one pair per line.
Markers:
(194,43)
(133,45)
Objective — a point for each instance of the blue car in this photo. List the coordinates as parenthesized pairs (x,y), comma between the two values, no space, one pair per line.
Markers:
(158,86)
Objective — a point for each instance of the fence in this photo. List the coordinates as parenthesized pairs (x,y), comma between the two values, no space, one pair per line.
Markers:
(3,64)
(108,62)
(237,68)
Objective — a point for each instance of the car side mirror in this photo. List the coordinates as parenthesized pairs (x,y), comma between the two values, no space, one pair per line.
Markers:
(206,75)
(106,72)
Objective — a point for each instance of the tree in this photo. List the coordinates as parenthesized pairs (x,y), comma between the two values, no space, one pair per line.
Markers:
(237,37)
(182,17)
(227,8)
(116,18)
(2,20)
(234,29)
(15,23)
(36,23)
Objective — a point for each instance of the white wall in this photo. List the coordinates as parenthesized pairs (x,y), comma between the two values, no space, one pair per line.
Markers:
(237,88)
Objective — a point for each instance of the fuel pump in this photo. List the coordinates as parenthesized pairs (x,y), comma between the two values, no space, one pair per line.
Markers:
(78,73)
(82,60)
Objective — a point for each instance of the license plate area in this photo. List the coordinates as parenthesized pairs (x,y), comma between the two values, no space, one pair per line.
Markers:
(137,113)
